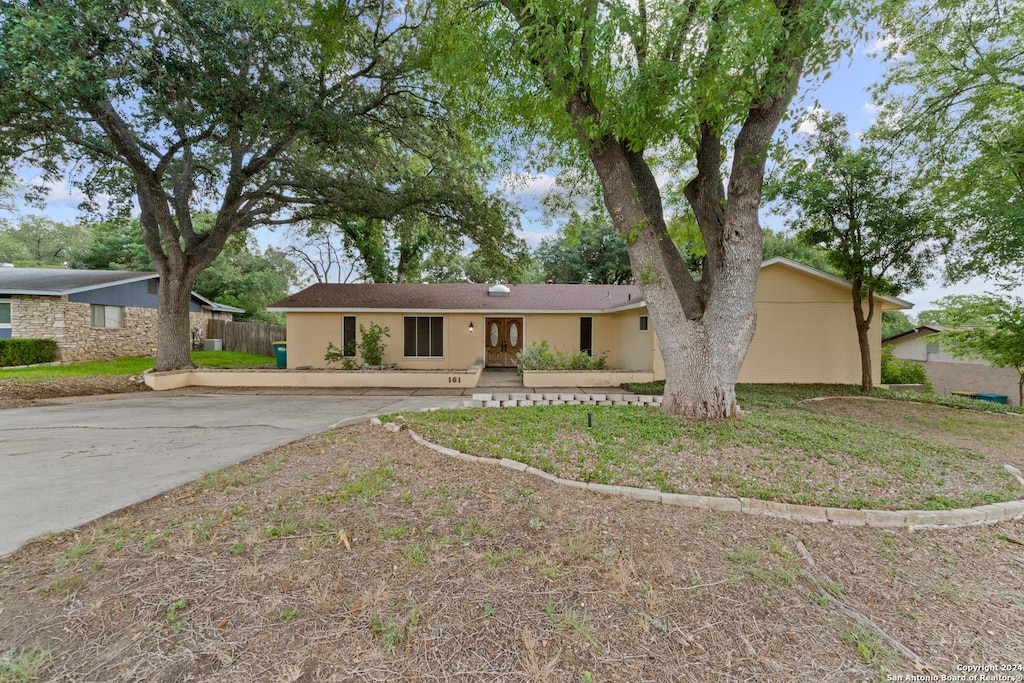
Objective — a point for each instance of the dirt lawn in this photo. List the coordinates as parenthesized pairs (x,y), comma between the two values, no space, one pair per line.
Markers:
(361,556)
(19,394)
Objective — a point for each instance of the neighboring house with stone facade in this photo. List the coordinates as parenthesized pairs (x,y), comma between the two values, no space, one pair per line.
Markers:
(92,314)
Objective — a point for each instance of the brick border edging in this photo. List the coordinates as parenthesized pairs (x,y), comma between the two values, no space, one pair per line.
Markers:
(515,400)
(879,519)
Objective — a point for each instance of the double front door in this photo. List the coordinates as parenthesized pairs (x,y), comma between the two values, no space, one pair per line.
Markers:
(504,341)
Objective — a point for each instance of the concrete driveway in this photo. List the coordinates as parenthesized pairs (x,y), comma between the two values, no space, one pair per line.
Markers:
(64,465)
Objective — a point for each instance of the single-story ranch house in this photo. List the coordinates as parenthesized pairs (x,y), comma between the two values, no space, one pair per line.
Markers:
(805,328)
(92,314)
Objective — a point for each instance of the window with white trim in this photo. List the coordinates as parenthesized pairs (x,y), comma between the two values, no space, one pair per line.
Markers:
(423,336)
(107,316)
(5,314)
(643,323)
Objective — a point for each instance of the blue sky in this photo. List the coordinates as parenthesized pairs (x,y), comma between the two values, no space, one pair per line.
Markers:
(845,91)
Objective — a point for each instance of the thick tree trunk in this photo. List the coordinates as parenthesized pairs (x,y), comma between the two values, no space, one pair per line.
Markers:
(705,328)
(173,329)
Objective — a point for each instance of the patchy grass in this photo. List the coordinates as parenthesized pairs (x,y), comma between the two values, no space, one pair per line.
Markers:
(134,366)
(24,666)
(780,450)
(518,580)
(790,395)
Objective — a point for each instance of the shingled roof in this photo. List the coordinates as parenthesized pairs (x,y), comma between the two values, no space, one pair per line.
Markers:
(57,281)
(461,297)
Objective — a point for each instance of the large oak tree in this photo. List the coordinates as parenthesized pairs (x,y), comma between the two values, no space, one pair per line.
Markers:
(613,86)
(260,112)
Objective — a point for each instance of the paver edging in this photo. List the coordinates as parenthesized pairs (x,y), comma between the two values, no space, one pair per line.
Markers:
(879,519)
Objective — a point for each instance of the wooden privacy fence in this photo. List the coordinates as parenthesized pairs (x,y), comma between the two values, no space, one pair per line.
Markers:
(246,337)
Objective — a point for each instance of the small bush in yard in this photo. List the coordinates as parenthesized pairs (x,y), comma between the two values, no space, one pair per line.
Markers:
(347,358)
(898,371)
(538,356)
(27,351)
(371,346)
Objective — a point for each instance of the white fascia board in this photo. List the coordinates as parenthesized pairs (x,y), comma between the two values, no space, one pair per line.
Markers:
(116,283)
(444,311)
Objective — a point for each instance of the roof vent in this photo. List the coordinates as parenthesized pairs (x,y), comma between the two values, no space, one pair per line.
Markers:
(498,290)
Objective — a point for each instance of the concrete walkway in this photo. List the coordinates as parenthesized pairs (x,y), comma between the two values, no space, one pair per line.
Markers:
(65,464)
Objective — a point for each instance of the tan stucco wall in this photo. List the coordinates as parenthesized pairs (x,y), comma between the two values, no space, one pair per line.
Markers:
(70,324)
(309,334)
(562,333)
(450,379)
(806,332)
(633,348)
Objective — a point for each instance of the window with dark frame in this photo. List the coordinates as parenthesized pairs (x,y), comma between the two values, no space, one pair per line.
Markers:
(424,336)
(587,336)
(643,323)
(348,336)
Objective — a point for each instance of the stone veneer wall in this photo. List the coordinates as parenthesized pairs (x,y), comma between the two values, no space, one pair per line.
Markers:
(70,324)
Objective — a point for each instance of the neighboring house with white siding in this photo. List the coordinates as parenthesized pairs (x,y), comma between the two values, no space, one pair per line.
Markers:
(948,373)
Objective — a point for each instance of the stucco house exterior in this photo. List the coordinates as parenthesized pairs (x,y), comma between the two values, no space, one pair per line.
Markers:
(805,328)
(948,373)
(92,314)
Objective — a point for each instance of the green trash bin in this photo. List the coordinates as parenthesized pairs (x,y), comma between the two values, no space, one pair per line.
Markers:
(281,353)
(991,398)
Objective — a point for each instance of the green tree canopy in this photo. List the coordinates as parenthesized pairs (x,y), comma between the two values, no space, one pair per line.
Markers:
(113,245)
(895,322)
(260,113)
(998,337)
(34,241)
(954,97)
(588,249)
(879,231)
(246,278)
(240,276)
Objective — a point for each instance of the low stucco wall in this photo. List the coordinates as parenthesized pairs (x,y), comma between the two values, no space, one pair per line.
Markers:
(584,378)
(948,377)
(340,379)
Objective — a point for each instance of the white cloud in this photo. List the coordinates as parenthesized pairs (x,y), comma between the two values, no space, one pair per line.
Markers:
(885,46)
(808,126)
